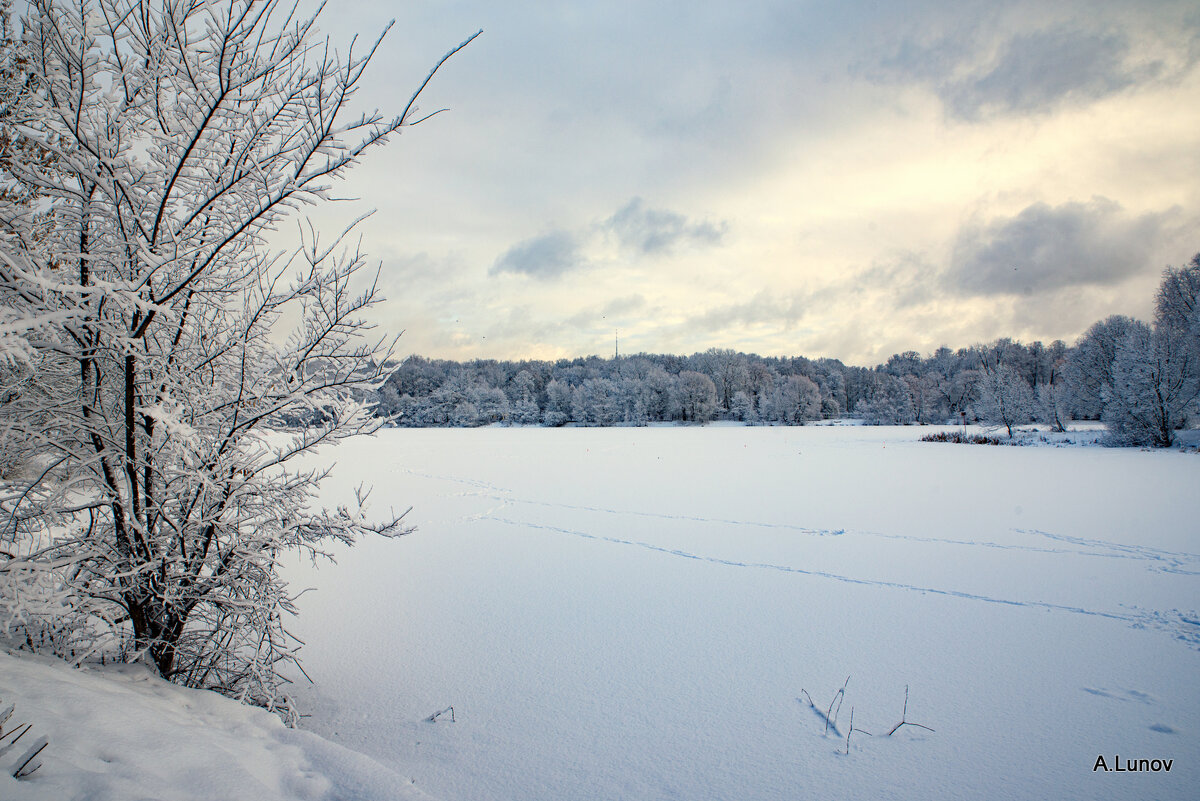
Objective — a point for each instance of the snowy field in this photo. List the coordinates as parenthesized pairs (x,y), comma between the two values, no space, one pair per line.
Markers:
(638,614)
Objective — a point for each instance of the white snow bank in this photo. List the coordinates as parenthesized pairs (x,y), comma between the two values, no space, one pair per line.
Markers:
(123,734)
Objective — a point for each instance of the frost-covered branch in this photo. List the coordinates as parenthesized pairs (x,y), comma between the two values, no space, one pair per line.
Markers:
(146,493)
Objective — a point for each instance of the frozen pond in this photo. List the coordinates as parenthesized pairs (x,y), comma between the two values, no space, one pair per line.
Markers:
(633,613)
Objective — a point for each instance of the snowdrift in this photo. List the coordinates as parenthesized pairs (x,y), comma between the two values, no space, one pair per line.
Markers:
(121,733)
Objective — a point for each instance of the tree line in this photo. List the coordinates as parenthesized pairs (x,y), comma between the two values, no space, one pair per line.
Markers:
(1141,379)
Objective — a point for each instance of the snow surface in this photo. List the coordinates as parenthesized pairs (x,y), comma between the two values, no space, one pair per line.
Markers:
(637,613)
(123,734)
(644,613)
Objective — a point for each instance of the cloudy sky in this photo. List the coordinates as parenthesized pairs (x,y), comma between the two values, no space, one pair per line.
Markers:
(846,179)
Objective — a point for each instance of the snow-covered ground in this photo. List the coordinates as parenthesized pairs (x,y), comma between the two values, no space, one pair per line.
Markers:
(122,734)
(645,614)
(638,614)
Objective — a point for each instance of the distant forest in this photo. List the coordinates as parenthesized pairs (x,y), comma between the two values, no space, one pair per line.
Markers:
(1142,380)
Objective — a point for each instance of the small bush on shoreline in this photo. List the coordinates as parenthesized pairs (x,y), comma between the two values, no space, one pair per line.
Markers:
(960,437)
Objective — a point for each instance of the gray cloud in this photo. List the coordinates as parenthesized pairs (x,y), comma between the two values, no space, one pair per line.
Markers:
(637,229)
(546,256)
(402,271)
(979,74)
(930,62)
(1045,248)
(1036,71)
(623,305)
(616,312)
(766,307)
(653,231)
(905,276)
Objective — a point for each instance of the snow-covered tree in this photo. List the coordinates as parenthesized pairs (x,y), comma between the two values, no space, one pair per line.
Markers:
(890,402)
(1177,302)
(492,404)
(661,397)
(795,400)
(631,401)
(697,397)
(832,383)
(522,399)
(596,402)
(1155,380)
(146,501)
(1053,404)
(1005,398)
(727,368)
(1054,399)
(1089,368)
(558,403)
(742,408)
(925,397)
(1177,309)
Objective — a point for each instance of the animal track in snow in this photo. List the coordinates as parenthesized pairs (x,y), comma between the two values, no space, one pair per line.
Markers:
(1135,617)
(1184,627)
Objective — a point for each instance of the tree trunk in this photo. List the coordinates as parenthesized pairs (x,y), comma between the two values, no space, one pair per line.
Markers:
(156,632)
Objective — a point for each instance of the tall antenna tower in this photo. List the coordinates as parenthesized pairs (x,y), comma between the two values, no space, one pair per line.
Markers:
(616,344)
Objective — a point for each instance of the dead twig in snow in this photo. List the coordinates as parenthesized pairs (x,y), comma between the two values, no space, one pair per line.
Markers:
(433,718)
(21,767)
(21,772)
(841,695)
(853,729)
(904,721)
